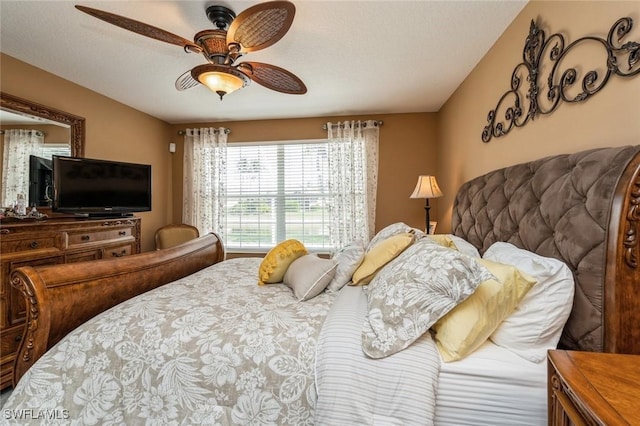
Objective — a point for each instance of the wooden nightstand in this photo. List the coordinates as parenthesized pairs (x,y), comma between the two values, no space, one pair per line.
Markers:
(589,388)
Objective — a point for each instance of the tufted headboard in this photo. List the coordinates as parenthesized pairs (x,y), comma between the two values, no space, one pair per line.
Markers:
(583,209)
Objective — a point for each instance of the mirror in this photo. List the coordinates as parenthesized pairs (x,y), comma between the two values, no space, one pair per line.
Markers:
(24,107)
(40,114)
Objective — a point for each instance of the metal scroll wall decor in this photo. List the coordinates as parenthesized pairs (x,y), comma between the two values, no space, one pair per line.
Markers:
(559,80)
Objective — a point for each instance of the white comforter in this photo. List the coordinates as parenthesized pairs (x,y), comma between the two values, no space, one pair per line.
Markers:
(356,390)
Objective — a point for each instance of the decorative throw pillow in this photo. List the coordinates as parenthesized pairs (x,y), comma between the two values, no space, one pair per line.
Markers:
(277,261)
(380,255)
(348,259)
(469,325)
(413,291)
(444,240)
(309,275)
(536,324)
(390,231)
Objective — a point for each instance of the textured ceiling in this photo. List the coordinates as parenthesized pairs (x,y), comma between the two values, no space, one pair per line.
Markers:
(355,57)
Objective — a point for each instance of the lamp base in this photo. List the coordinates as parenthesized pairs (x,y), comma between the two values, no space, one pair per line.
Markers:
(426,210)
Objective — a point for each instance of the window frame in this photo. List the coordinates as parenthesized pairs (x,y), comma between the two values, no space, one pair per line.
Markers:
(280,196)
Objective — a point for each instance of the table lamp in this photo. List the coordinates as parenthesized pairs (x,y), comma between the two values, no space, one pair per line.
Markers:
(426,188)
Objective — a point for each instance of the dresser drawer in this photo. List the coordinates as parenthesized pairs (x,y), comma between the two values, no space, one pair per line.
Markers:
(82,256)
(117,251)
(10,340)
(12,244)
(87,236)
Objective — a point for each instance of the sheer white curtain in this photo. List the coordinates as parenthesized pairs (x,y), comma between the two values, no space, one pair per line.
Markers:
(19,144)
(353,180)
(205,169)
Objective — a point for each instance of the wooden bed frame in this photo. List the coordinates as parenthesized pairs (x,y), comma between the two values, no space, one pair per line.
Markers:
(61,297)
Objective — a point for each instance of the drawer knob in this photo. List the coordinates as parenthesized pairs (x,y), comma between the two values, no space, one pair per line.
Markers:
(34,244)
(116,254)
(85,238)
(123,233)
(18,337)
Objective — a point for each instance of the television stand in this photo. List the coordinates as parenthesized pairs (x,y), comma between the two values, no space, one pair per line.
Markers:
(105,215)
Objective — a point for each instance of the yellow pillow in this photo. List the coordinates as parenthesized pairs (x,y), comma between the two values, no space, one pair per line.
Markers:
(277,261)
(469,325)
(443,240)
(381,254)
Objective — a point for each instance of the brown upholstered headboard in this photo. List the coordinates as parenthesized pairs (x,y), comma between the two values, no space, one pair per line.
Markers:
(583,209)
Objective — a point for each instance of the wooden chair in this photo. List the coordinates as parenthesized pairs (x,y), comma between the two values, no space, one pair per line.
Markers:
(175,234)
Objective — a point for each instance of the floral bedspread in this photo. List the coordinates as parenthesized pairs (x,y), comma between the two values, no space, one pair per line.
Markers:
(213,348)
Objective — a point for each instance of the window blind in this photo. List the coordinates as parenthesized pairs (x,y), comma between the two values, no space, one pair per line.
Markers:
(51,149)
(277,191)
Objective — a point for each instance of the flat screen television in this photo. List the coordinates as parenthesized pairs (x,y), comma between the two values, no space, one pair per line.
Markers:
(40,181)
(95,187)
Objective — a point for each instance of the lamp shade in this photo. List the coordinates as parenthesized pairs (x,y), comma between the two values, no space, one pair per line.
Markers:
(427,187)
(221,79)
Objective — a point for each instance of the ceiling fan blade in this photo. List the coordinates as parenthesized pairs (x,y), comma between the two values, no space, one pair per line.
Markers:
(141,28)
(186,81)
(261,25)
(273,77)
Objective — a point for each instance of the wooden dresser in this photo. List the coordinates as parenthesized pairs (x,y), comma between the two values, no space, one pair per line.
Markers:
(47,242)
(588,388)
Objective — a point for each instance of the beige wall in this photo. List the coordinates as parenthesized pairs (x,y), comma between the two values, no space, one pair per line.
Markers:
(610,118)
(113,131)
(407,149)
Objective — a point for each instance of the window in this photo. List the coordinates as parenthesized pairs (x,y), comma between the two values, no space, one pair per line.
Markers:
(51,149)
(277,191)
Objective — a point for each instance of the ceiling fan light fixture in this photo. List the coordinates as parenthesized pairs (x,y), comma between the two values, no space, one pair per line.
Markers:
(255,28)
(220,79)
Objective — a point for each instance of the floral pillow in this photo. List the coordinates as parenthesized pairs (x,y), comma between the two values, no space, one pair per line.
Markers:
(392,230)
(413,291)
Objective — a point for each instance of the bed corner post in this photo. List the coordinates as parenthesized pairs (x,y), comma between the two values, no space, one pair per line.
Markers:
(34,337)
(622,304)
(631,239)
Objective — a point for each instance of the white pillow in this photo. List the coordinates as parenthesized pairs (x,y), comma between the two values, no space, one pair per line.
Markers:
(537,322)
(464,246)
(348,259)
(309,275)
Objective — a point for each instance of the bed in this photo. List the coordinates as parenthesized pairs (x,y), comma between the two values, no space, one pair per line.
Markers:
(181,336)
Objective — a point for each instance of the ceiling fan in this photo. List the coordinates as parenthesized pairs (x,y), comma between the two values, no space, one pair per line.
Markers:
(253,29)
